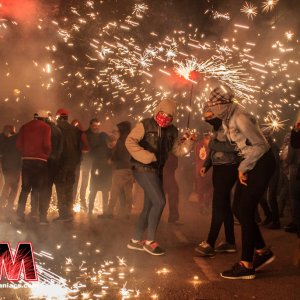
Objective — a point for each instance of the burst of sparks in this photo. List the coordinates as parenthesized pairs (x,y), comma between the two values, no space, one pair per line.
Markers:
(273,122)
(139,9)
(218,15)
(184,69)
(289,35)
(269,5)
(249,9)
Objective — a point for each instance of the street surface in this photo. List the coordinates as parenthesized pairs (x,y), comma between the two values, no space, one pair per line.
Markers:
(92,252)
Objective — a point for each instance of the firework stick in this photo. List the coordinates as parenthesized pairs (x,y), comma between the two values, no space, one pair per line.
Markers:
(190,105)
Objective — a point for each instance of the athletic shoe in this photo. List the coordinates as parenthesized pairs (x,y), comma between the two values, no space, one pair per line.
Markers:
(291,228)
(43,221)
(21,219)
(261,260)
(274,225)
(239,271)
(139,245)
(63,219)
(177,222)
(266,221)
(225,248)
(154,249)
(106,216)
(205,249)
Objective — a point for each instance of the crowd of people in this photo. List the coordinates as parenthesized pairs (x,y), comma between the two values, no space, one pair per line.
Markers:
(240,161)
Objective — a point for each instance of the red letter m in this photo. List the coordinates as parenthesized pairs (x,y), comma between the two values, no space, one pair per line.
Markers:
(22,260)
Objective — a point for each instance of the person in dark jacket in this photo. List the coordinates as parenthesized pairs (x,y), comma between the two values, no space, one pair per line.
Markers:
(73,144)
(34,142)
(11,167)
(92,135)
(224,161)
(52,167)
(149,144)
(122,179)
(101,172)
(294,168)
(269,201)
(294,172)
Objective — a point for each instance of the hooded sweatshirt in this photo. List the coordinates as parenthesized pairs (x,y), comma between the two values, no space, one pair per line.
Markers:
(149,144)
(242,129)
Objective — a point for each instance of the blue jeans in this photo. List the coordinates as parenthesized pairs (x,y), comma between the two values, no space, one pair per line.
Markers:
(154,203)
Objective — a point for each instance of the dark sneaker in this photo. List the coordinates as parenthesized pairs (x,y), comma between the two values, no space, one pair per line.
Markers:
(44,221)
(266,221)
(21,219)
(261,260)
(83,206)
(205,249)
(225,248)
(239,271)
(106,216)
(154,249)
(291,228)
(139,245)
(63,219)
(274,226)
(177,222)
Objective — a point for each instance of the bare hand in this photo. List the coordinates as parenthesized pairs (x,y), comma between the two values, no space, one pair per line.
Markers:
(243,178)
(202,171)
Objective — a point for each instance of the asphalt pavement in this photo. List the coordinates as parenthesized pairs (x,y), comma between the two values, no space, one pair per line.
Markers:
(88,259)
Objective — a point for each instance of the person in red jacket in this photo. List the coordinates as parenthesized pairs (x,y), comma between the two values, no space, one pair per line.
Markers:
(34,142)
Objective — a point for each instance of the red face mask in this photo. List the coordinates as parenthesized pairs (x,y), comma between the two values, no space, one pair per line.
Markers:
(163,120)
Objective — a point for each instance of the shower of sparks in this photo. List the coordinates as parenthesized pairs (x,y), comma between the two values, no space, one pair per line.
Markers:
(289,35)
(249,9)
(218,15)
(269,5)
(184,69)
(115,67)
(273,122)
(140,9)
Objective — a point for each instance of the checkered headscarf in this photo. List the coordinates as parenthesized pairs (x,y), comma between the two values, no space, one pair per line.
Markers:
(220,95)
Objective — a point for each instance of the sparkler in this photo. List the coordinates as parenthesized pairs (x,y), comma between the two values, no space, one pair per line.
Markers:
(269,5)
(249,9)
(273,122)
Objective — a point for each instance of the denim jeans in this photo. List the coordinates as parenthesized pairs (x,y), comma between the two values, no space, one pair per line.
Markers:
(172,192)
(154,203)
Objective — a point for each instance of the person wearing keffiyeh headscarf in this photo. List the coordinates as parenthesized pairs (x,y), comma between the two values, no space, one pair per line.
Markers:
(255,170)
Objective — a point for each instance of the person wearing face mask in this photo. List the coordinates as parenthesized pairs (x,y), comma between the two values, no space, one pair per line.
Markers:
(254,172)
(224,160)
(149,144)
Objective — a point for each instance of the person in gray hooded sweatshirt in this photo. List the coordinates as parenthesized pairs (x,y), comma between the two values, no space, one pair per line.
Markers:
(149,144)
(254,172)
